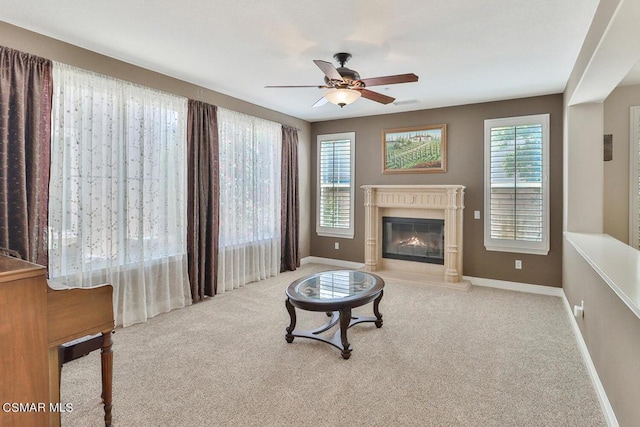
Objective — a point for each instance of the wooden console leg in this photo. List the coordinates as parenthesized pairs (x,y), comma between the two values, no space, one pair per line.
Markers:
(376,311)
(345,320)
(292,314)
(106,356)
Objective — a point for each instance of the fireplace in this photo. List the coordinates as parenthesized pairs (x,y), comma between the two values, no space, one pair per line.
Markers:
(413,239)
(441,206)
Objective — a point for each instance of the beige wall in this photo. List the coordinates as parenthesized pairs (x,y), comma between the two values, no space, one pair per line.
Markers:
(584,168)
(26,41)
(610,329)
(465,142)
(612,333)
(616,172)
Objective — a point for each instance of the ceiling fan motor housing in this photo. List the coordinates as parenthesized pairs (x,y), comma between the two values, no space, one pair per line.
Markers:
(349,76)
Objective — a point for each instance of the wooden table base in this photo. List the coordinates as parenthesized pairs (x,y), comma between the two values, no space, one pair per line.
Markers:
(342,316)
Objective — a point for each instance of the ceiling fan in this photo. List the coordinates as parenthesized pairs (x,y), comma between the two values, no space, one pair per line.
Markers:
(345,85)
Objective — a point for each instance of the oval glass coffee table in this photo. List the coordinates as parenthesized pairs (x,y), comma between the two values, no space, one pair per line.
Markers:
(335,293)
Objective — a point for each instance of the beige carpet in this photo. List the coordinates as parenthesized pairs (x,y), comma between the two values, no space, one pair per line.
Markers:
(486,357)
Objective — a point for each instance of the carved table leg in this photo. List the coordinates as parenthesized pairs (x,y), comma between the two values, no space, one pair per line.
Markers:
(106,356)
(376,303)
(345,320)
(292,313)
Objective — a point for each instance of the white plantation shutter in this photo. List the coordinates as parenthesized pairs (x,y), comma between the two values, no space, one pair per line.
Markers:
(516,184)
(335,185)
(634,215)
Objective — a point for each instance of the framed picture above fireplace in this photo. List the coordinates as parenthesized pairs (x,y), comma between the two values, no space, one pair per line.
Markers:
(420,149)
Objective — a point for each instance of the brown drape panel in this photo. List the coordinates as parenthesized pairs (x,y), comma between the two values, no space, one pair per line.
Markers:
(290,216)
(25,138)
(202,199)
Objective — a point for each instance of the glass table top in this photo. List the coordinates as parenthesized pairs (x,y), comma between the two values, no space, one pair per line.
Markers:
(334,285)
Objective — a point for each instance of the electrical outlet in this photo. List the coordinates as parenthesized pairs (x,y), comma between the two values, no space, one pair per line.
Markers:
(518,264)
(336,245)
(476,214)
(578,310)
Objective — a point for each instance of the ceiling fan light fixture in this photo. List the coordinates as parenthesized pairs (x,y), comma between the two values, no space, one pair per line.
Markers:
(342,97)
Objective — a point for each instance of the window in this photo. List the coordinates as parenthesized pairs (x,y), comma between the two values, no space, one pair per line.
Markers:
(250,151)
(117,199)
(334,212)
(634,167)
(516,184)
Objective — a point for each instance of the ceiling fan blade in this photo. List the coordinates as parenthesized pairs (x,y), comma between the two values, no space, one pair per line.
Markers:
(320,102)
(328,69)
(316,86)
(375,96)
(390,80)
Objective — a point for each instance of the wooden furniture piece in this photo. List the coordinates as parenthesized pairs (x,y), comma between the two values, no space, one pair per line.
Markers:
(76,349)
(34,321)
(335,293)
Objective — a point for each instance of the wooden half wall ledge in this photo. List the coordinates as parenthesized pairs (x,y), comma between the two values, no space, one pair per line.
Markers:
(615,262)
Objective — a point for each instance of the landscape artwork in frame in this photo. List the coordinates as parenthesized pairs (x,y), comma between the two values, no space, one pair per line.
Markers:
(421,149)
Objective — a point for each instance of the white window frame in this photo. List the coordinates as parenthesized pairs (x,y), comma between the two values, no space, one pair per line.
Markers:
(517,246)
(332,231)
(634,158)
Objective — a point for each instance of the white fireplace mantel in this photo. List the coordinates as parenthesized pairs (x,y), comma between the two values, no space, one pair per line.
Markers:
(416,201)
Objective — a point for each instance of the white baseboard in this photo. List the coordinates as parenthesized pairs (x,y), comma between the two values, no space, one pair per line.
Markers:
(331,261)
(605,405)
(515,286)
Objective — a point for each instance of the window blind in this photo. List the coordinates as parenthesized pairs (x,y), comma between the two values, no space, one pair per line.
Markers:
(335,184)
(516,183)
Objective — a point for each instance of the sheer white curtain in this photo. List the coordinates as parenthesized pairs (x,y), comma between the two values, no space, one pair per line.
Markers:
(117,202)
(250,163)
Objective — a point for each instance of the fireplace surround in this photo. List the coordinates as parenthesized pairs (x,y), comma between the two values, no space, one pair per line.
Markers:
(429,202)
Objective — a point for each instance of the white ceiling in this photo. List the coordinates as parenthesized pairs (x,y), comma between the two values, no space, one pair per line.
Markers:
(464,51)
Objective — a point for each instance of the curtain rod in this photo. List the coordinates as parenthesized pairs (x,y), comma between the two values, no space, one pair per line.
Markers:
(291,127)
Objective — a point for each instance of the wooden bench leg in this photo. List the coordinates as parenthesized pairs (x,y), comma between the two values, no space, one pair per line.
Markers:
(106,356)
(81,347)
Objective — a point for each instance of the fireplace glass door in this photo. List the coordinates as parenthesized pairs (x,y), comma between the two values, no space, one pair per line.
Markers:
(413,239)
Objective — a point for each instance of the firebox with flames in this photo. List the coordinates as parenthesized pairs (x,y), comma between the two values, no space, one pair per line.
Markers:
(413,239)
